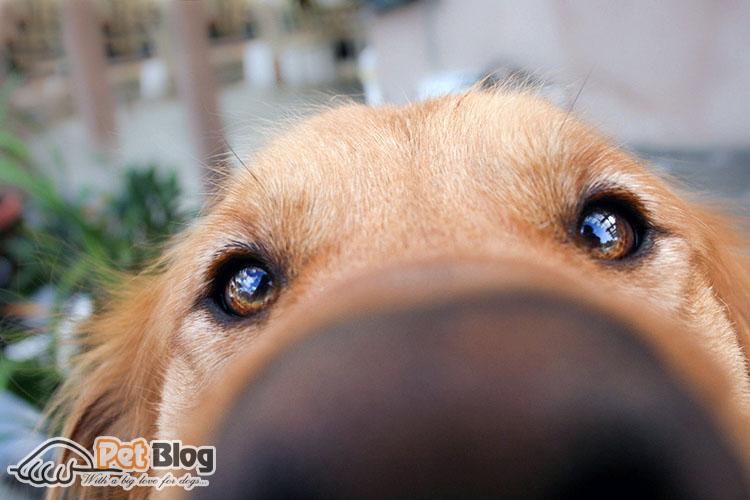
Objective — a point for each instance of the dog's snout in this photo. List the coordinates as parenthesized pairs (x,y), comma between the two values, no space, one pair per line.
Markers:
(512,394)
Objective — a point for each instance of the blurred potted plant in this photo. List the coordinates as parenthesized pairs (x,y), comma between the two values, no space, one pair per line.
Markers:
(56,252)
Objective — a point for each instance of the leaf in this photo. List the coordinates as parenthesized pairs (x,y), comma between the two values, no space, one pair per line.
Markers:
(13,147)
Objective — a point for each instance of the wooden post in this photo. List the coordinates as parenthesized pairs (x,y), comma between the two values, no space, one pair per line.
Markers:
(6,35)
(196,84)
(84,47)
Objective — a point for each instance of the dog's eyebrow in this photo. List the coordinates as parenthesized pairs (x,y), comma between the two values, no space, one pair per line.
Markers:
(234,247)
(624,193)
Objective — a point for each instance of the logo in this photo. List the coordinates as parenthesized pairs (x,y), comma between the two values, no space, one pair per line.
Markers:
(115,463)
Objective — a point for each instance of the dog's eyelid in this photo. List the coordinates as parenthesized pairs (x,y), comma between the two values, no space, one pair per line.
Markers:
(242,250)
(226,252)
(235,247)
(622,196)
(619,192)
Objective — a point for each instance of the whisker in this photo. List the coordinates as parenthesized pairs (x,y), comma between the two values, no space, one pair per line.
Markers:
(572,106)
(254,176)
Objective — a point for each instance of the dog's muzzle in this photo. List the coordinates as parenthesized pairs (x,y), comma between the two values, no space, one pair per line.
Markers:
(506,392)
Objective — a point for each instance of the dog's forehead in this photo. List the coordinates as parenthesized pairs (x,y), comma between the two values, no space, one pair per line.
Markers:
(360,169)
(460,138)
(467,130)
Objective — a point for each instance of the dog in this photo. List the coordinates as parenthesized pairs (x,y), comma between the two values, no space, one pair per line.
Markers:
(361,216)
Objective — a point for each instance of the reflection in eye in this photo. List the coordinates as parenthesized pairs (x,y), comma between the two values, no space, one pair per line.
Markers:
(607,233)
(601,226)
(248,291)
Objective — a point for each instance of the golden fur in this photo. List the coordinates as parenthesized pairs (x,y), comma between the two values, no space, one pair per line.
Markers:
(485,175)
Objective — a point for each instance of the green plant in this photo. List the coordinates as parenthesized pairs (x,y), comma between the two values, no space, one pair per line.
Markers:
(69,246)
(69,242)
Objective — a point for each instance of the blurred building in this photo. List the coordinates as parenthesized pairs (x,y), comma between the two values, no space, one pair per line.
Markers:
(672,73)
(89,58)
(666,76)
(30,36)
(134,31)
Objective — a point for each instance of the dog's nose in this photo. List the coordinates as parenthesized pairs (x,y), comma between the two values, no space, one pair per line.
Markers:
(524,394)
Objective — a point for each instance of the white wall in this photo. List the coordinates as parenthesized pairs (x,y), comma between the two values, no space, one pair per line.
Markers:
(665,73)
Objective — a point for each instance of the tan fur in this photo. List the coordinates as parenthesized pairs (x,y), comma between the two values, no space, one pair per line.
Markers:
(490,175)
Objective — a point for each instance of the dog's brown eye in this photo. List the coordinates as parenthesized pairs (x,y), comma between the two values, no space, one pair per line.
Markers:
(248,290)
(608,233)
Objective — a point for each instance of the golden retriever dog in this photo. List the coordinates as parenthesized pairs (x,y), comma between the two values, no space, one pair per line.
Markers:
(476,295)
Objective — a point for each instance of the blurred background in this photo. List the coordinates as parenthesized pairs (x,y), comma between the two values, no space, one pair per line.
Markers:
(116,114)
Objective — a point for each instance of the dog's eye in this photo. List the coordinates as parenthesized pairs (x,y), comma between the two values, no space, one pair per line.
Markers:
(608,231)
(248,290)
